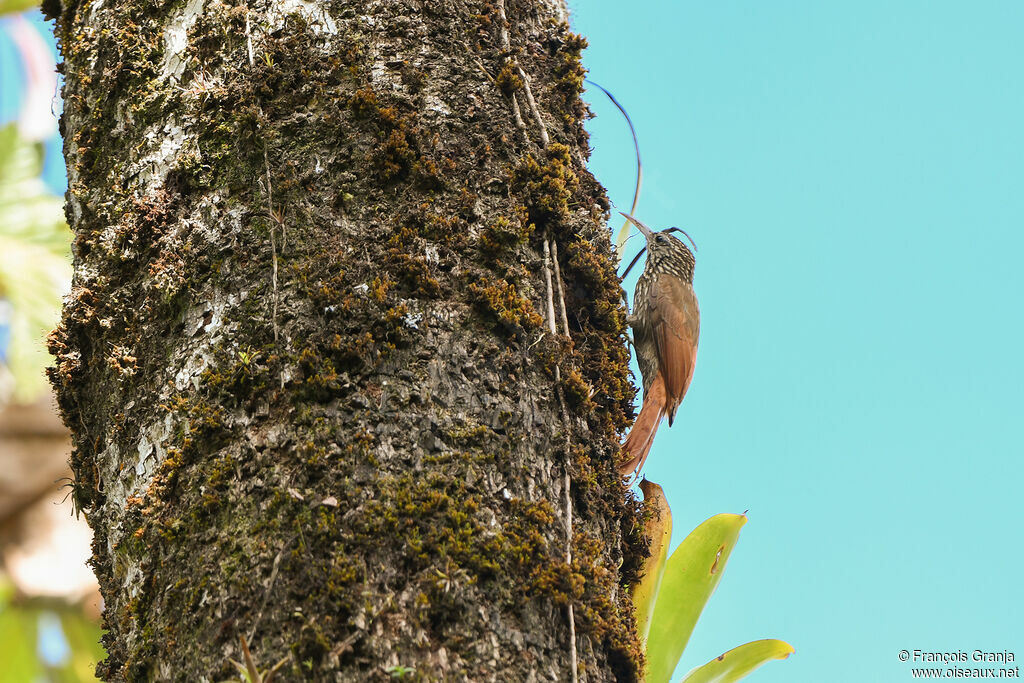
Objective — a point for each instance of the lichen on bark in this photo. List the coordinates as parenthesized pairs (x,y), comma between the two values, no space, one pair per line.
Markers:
(305,360)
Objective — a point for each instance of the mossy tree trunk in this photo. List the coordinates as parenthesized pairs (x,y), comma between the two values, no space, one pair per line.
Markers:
(308,356)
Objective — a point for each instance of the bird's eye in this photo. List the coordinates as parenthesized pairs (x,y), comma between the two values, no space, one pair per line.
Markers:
(660,239)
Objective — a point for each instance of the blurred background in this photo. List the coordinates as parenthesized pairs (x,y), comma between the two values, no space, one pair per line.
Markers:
(49,600)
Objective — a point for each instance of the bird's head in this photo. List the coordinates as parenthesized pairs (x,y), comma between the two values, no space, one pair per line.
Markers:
(665,251)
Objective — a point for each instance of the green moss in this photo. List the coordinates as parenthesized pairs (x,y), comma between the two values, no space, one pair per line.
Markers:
(569,71)
(415,274)
(396,155)
(548,185)
(501,235)
(577,390)
(470,435)
(379,288)
(364,102)
(508,79)
(237,375)
(501,300)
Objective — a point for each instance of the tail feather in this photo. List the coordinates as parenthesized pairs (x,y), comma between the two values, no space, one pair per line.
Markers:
(641,436)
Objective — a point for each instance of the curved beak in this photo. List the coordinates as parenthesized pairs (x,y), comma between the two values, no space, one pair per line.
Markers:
(644,230)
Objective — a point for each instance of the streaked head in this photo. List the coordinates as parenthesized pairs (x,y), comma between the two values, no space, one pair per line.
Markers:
(666,252)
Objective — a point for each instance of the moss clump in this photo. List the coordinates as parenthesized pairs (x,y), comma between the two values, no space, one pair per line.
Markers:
(569,71)
(364,102)
(502,301)
(577,390)
(598,613)
(414,273)
(379,288)
(508,79)
(406,150)
(396,155)
(547,186)
(502,234)
(441,521)
(237,375)
(429,223)
(601,319)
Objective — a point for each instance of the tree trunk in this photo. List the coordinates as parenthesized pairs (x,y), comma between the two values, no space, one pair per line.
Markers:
(327,388)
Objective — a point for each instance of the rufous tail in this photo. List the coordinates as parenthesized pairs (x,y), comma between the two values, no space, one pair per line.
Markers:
(641,436)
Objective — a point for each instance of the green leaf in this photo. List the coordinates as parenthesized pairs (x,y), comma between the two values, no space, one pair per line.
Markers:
(739,661)
(659,528)
(12,6)
(691,575)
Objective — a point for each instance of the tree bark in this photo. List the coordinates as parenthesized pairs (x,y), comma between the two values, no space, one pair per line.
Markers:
(344,324)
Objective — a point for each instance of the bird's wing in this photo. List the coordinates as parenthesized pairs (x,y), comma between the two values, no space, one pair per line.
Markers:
(676,325)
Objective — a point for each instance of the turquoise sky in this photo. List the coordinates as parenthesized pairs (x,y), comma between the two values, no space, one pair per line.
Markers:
(853,174)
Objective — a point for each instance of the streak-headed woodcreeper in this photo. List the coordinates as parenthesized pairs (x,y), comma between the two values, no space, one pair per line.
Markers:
(666,324)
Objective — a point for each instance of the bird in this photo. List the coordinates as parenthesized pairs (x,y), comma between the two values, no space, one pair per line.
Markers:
(666,327)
